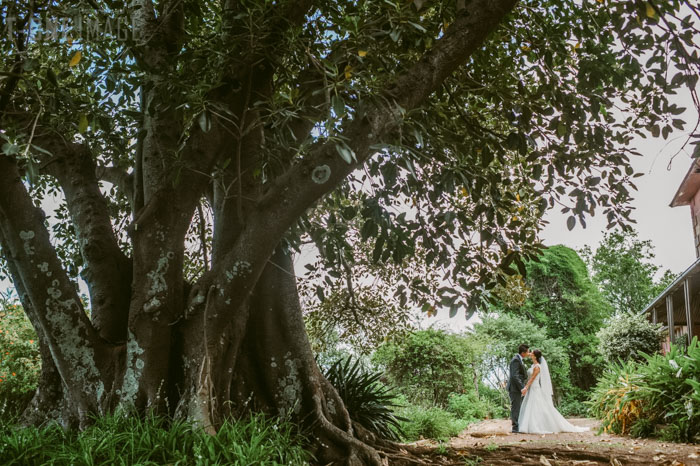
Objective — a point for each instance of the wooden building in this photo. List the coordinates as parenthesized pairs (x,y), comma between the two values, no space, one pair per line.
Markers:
(678,306)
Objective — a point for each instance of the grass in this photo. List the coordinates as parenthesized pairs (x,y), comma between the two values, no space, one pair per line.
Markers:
(430,423)
(126,440)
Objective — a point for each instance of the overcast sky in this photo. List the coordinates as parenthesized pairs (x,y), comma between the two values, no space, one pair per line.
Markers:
(669,229)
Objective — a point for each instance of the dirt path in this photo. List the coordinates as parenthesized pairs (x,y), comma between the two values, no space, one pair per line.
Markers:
(491,443)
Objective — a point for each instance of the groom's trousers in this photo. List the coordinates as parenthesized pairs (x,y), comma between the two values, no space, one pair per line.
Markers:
(516,399)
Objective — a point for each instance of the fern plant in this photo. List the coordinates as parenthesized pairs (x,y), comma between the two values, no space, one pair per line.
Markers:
(368,401)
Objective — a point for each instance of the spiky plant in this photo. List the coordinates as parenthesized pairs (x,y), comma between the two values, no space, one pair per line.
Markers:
(368,401)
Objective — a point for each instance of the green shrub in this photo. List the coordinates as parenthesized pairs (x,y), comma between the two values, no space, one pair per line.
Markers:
(19,359)
(628,336)
(368,402)
(572,407)
(643,428)
(428,365)
(616,399)
(467,406)
(671,392)
(664,390)
(126,440)
(503,335)
(430,423)
(497,401)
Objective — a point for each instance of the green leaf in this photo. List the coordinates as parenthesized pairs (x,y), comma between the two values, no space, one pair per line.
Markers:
(42,150)
(512,141)
(345,152)
(486,157)
(453,310)
(83,124)
(32,172)
(696,151)
(537,172)
(417,26)
(204,121)
(419,136)
(51,76)
(561,129)
(377,252)
(338,106)
(10,149)
(571,222)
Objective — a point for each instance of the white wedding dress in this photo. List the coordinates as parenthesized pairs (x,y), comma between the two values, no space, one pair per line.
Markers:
(537,413)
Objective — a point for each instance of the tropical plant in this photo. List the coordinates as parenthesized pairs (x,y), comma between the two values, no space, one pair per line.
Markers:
(662,392)
(671,394)
(615,398)
(368,401)
(629,336)
(622,265)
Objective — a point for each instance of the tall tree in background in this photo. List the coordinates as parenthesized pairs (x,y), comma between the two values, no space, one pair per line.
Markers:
(185,142)
(564,302)
(622,265)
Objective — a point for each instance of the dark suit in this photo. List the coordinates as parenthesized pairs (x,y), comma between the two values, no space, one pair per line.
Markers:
(516,382)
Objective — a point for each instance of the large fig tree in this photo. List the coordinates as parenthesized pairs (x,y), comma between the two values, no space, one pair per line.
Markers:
(168,154)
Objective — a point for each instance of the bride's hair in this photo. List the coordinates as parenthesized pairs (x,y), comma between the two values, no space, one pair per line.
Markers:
(538,355)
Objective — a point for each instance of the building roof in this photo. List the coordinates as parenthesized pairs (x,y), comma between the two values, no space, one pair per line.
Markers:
(689,186)
(691,271)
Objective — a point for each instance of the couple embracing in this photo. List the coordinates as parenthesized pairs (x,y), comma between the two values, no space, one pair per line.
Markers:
(532,408)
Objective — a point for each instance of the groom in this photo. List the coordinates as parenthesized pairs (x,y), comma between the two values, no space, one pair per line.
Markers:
(516,384)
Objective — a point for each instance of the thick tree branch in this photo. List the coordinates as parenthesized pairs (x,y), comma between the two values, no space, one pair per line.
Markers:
(107,270)
(119,178)
(144,21)
(204,149)
(49,387)
(323,170)
(70,335)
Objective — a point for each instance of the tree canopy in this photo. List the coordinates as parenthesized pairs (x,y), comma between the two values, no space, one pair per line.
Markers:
(503,336)
(564,302)
(622,265)
(184,144)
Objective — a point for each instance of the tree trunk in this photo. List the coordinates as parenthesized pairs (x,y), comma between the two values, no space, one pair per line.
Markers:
(233,341)
(263,362)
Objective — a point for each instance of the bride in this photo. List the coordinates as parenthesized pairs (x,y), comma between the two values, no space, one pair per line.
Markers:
(538,414)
